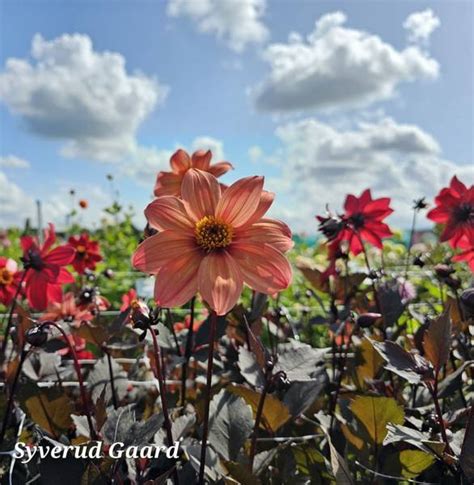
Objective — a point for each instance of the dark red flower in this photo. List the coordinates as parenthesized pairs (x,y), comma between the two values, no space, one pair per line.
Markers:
(128,298)
(87,253)
(45,271)
(8,280)
(363,221)
(467,253)
(455,209)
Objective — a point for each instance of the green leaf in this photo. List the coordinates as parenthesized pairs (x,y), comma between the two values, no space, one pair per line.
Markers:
(375,413)
(414,462)
(275,414)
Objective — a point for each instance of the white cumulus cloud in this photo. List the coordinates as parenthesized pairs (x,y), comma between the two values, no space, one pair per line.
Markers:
(70,92)
(237,22)
(337,67)
(320,164)
(420,26)
(12,161)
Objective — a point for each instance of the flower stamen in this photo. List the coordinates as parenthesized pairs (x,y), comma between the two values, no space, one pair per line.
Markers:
(211,233)
(6,278)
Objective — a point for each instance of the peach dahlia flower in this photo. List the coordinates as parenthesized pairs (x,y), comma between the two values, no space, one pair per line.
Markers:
(214,242)
(169,183)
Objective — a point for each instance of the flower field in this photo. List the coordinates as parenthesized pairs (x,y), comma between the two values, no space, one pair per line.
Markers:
(267,359)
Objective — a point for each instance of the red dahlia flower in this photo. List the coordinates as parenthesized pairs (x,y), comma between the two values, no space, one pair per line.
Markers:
(80,346)
(44,267)
(169,183)
(212,242)
(8,280)
(363,221)
(128,298)
(467,253)
(87,253)
(455,209)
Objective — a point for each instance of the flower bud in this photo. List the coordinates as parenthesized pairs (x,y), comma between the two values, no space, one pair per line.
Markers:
(368,319)
(443,270)
(467,300)
(330,226)
(36,336)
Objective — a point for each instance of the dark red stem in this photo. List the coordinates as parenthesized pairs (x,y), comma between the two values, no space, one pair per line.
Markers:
(205,424)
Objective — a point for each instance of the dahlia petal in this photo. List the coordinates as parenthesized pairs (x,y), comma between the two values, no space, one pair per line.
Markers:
(264,268)
(240,201)
(36,290)
(49,238)
(27,243)
(371,237)
(168,183)
(266,201)
(379,228)
(177,282)
(351,204)
(438,214)
(180,161)
(159,249)
(201,159)
(201,192)
(220,168)
(50,272)
(457,185)
(269,231)
(69,304)
(64,276)
(220,281)
(61,255)
(365,198)
(168,213)
(54,293)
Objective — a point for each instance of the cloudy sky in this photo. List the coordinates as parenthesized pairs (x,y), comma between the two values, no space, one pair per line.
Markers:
(323,98)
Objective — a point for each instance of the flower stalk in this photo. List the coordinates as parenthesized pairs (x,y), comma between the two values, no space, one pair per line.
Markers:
(258,416)
(161,383)
(6,417)
(205,424)
(77,368)
(187,352)
(10,316)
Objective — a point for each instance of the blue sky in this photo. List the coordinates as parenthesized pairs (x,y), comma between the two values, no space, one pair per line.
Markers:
(365,102)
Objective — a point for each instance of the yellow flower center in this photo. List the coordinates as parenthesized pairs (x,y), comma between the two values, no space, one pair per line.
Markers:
(211,233)
(6,278)
(81,249)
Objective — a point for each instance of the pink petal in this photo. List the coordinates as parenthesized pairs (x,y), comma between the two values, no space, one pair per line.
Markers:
(177,281)
(201,192)
(168,183)
(218,169)
(220,281)
(201,159)
(240,201)
(266,200)
(180,161)
(168,213)
(160,249)
(264,268)
(269,231)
